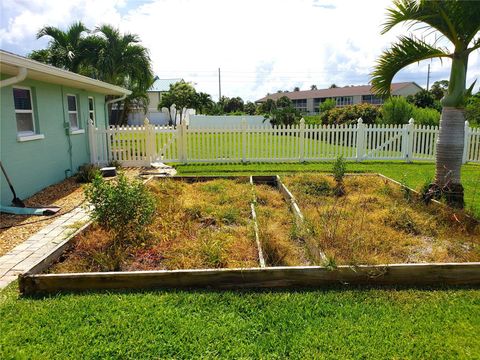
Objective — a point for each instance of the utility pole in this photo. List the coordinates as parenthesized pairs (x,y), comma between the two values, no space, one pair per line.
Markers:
(219,86)
(428,77)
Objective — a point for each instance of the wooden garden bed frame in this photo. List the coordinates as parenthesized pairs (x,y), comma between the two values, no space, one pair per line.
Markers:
(33,282)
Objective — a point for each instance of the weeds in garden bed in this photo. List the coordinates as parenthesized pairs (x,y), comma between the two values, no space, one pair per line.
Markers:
(198,225)
(281,239)
(376,222)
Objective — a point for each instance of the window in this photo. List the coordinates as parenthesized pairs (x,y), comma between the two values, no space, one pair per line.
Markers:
(22,98)
(372,99)
(300,104)
(72,112)
(91,110)
(344,100)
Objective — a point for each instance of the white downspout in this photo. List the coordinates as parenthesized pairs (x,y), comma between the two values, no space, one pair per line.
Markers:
(22,75)
(123,97)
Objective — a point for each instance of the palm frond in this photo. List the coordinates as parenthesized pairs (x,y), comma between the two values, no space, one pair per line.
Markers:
(406,51)
(456,20)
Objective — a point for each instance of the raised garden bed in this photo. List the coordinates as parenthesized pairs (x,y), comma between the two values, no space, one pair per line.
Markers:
(379,222)
(237,232)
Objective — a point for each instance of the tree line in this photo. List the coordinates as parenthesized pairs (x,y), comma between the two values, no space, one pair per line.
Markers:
(104,54)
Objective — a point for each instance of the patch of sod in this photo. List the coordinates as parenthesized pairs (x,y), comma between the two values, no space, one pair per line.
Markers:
(355,323)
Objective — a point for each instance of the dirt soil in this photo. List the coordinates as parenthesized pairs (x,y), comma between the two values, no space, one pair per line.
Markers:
(67,194)
(378,223)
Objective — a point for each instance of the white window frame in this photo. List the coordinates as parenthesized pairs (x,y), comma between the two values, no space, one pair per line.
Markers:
(76,129)
(22,134)
(92,112)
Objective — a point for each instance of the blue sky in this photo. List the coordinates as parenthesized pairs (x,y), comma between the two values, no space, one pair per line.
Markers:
(261,45)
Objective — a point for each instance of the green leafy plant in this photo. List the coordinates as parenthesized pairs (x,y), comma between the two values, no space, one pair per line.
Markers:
(124,207)
(115,163)
(350,114)
(339,169)
(86,173)
(396,110)
(426,116)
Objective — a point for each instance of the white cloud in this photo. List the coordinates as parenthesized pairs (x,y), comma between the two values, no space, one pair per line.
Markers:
(261,46)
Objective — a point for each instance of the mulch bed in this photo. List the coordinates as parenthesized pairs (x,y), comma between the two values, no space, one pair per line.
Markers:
(68,194)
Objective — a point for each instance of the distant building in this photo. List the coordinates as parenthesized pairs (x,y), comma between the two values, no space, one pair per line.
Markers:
(308,101)
(154,95)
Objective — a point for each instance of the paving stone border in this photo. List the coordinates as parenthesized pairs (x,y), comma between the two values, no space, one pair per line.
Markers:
(24,256)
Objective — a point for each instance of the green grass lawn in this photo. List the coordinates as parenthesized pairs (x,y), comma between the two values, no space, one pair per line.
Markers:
(340,323)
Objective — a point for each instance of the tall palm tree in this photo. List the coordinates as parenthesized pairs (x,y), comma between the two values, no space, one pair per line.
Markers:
(457,22)
(204,102)
(63,49)
(120,59)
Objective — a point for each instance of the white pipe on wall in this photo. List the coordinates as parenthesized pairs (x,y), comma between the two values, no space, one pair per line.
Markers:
(22,75)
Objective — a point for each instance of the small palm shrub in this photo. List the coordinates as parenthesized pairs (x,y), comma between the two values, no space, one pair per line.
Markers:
(86,173)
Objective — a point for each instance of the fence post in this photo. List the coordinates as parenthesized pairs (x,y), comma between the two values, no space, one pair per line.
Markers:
(409,132)
(360,139)
(184,144)
(148,142)
(244,140)
(466,143)
(92,142)
(301,154)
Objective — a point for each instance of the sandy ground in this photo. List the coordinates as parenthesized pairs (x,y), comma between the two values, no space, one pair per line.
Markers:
(14,229)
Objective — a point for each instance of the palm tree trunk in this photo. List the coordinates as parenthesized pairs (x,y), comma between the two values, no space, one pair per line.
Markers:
(450,147)
(451,137)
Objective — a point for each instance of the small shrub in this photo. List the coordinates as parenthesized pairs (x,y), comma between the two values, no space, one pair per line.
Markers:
(339,169)
(396,110)
(86,173)
(115,163)
(124,207)
(350,114)
(426,116)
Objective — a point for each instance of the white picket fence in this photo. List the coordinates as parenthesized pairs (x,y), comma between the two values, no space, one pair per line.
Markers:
(142,145)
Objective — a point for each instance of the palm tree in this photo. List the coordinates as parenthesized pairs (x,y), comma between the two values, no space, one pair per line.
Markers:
(204,102)
(459,23)
(63,49)
(120,59)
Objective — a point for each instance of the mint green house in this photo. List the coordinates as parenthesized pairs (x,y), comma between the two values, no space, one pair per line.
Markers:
(43,122)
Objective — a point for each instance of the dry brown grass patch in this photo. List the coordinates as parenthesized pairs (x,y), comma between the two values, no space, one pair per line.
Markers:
(373,224)
(199,225)
(280,239)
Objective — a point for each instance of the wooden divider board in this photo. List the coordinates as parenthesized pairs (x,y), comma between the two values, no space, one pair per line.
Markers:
(272,277)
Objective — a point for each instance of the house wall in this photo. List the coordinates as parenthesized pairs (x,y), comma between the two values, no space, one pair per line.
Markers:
(410,89)
(35,164)
(154,98)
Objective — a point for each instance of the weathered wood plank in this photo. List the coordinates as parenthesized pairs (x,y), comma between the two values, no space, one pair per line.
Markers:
(272,277)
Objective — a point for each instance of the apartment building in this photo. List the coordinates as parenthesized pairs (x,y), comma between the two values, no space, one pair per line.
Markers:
(308,101)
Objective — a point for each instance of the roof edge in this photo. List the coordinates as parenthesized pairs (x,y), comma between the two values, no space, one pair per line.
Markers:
(29,64)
